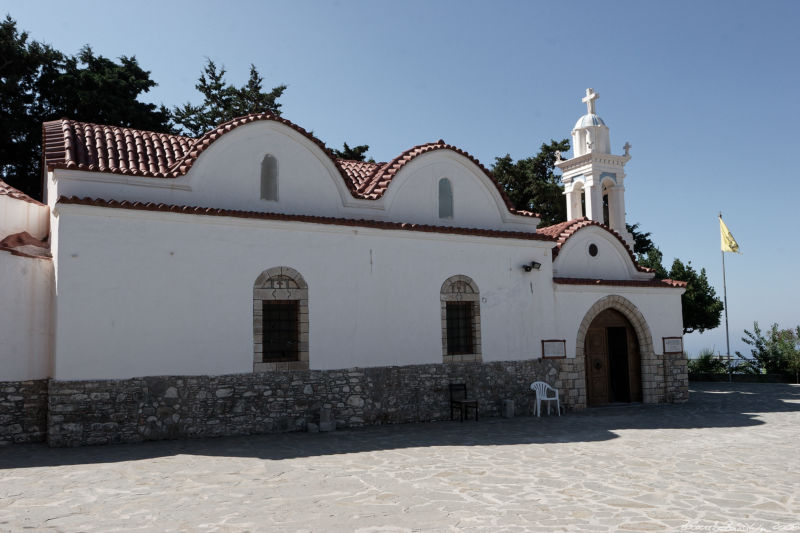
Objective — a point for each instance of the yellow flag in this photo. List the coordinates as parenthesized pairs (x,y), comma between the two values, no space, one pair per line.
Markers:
(729,244)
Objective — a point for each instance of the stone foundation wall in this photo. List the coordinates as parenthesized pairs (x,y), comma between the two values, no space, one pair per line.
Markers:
(23,411)
(153,408)
(677,378)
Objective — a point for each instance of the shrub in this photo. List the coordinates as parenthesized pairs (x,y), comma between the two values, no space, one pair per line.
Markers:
(706,363)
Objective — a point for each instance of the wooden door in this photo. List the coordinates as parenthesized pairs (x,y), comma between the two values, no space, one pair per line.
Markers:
(634,366)
(612,357)
(619,375)
(596,351)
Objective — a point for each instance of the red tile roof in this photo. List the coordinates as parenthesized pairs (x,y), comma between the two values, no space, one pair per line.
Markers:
(562,231)
(668,283)
(210,211)
(25,245)
(8,190)
(90,147)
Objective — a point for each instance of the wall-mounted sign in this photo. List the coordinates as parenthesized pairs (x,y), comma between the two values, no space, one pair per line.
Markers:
(554,348)
(673,344)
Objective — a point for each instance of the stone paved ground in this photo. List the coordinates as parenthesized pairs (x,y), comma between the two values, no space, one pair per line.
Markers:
(729,460)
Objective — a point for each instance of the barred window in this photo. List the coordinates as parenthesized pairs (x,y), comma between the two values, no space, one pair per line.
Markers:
(280,321)
(459,328)
(461,320)
(280,329)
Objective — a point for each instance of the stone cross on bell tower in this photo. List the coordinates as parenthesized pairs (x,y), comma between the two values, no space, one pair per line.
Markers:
(594,178)
(591,96)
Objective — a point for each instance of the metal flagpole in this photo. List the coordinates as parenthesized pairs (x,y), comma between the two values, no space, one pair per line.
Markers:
(725,296)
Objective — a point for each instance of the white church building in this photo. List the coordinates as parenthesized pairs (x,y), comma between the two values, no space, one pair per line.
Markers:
(246,281)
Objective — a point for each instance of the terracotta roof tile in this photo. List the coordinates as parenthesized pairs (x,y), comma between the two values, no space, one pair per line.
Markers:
(210,211)
(96,148)
(358,171)
(24,244)
(8,190)
(666,283)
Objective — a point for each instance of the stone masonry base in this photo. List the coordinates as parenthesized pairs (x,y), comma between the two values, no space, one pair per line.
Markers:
(76,413)
(23,411)
(168,407)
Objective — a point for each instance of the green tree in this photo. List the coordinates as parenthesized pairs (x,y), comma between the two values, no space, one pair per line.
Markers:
(356,153)
(791,352)
(93,88)
(642,244)
(223,102)
(532,184)
(23,65)
(702,309)
(39,83)
(653,260)
(772,353)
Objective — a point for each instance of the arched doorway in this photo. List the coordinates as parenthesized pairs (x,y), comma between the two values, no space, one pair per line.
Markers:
(613,361)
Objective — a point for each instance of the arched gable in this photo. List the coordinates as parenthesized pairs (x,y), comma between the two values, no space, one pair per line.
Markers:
(228,172)
(587,249)
(477,200)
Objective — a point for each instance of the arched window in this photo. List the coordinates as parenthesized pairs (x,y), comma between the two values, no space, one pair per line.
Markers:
(610,207)
(280,321)
(445,198)
(576,201)
(269,178)
(461,320)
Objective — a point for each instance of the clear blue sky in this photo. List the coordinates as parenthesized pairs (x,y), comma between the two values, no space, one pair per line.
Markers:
(706,92)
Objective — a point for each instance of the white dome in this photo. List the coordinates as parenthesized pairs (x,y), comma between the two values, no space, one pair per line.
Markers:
(589,120)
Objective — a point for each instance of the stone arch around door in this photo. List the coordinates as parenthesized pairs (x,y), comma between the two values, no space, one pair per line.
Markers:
(650,367)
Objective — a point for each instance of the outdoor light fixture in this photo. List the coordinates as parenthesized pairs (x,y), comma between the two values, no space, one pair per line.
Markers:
(533,266)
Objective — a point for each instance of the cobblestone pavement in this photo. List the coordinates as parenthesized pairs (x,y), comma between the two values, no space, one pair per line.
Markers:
(729,460)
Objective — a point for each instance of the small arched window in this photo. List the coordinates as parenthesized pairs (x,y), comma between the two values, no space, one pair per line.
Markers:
(280,321)
(445,198)
(461,320)
(269,178)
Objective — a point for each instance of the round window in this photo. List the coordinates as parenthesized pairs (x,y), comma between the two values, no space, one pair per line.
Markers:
(593,249)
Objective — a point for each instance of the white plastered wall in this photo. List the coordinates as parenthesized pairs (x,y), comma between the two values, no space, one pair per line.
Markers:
(26,295)
(145,293)
(18,215)
(661,308)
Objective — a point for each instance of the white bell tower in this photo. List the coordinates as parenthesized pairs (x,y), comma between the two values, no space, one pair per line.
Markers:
(594,173)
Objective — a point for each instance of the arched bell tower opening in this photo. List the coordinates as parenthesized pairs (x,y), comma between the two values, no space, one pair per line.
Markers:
(576,201)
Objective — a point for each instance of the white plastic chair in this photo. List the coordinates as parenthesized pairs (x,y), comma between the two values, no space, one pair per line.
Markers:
(545,393)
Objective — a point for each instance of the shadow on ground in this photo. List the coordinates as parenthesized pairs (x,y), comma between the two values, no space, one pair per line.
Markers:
(722,405)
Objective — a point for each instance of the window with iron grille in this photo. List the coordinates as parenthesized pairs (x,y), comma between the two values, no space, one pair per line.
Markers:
(459,328)
(280,329)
